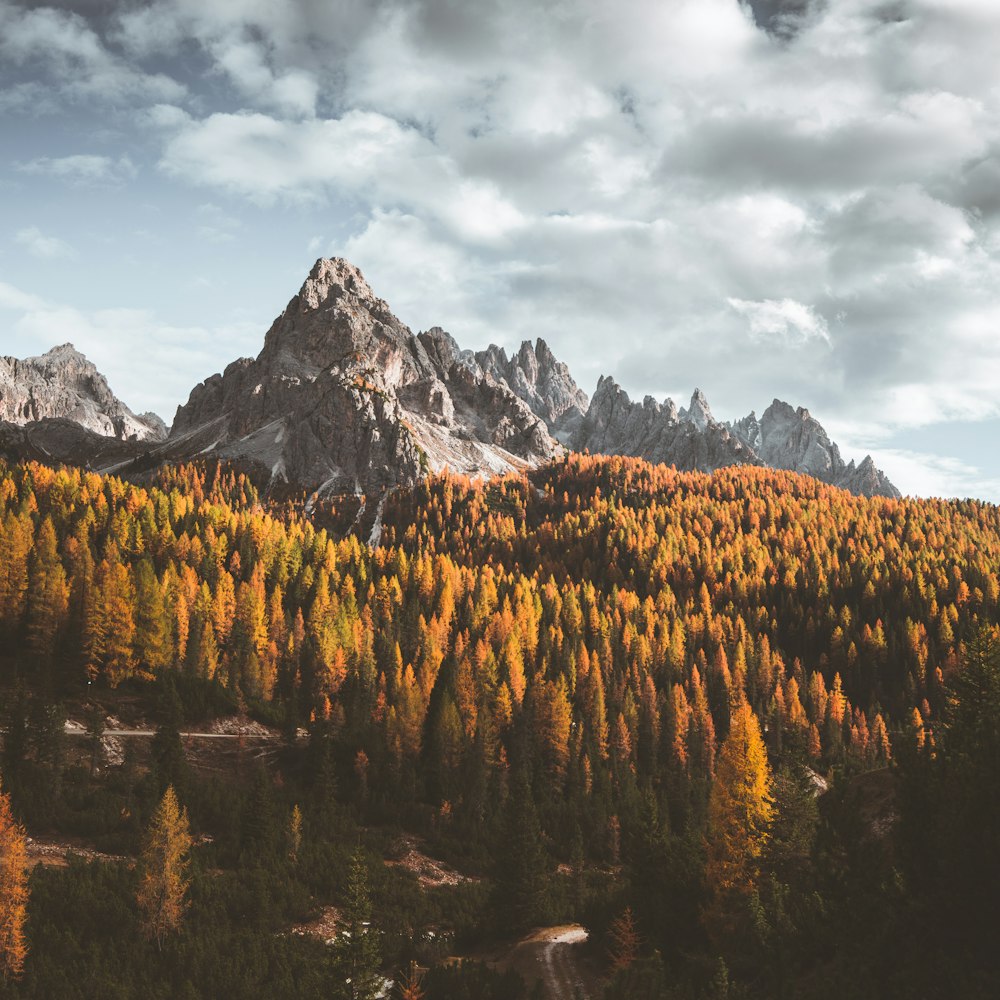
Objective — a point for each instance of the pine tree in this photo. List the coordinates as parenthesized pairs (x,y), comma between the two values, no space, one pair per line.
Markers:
(520,877)
(153,645)
(13,892)
(357,952)
(740,810)
(48,595)
(170,767)
(623,941)
(164,882)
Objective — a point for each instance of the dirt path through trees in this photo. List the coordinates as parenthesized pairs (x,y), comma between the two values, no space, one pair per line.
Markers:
(552,954)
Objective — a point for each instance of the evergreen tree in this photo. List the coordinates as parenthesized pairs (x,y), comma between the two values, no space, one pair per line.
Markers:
(170,767)
(357,949)
(521,863)
(16,735)
(623,941)
(153,640)
(48,596)
(958,868)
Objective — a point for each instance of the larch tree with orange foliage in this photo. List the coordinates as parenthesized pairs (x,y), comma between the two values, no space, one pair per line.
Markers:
(13,892)
(164,881)
(740,812)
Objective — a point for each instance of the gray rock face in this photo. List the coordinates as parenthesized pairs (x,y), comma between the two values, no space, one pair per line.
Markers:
(62,383)
(787,438)
(344,396)
(691,439)
(56,440)
(544,383)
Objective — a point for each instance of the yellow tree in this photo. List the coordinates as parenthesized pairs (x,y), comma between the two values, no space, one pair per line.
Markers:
(164,881)
(740,811)
(13,892)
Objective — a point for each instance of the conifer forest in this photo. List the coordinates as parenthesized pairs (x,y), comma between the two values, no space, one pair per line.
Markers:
(735,733)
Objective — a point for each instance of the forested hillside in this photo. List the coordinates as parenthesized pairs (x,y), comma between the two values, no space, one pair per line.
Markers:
(571,682)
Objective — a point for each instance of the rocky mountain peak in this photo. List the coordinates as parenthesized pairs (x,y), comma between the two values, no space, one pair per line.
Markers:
(783,438)
(62,354)
(541,381)
(344,396)
(333,277)
(698,413)
(688,439)
(63,384)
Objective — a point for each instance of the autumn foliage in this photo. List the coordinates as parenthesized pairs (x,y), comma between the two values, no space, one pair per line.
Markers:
(740,810)
(596,620)
(13,892)
(164,882)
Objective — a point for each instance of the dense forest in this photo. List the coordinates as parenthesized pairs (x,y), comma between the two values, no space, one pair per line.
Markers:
(742,726)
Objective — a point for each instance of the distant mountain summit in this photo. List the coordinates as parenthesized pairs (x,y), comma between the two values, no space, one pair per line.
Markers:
(692,439)
(63,384)
(787,438)
(344,396)
(544,383)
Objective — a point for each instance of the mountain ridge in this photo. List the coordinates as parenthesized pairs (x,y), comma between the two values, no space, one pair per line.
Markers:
(344,397)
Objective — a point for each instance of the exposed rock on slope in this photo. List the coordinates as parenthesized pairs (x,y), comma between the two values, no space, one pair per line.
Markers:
(344,396)
(62,383)
(544,383)
(787,438)
(691,438)
(58,440)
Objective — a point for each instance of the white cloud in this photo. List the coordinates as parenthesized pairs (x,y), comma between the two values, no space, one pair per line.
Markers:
(786,321)
(362,154)
(664,191)
(930,475)
(63,47)
(14,298)
(39,245)
(82,168)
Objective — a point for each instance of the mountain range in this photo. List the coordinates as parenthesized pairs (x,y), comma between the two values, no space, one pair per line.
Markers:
(343,397)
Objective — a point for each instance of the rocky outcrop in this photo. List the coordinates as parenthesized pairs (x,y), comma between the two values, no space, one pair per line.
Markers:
(789,438)
(689,439)
(692,439)
(63,384)
(543,382)
(56,440)
(344,397)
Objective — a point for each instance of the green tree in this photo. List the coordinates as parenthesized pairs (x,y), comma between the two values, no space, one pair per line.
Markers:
(958,866)
(521,882)
(357,948)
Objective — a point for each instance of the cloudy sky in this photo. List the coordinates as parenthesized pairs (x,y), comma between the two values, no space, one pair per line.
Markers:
(792,198)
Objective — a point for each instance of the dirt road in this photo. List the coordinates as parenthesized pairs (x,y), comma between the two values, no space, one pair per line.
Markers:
(552,955)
